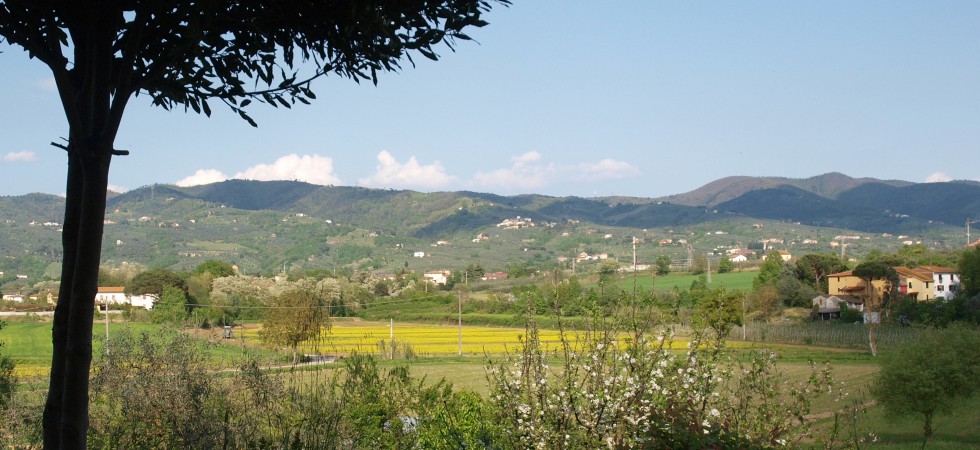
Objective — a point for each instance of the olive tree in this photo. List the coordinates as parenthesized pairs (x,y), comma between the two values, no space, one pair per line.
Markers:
(187,55)
(928,375)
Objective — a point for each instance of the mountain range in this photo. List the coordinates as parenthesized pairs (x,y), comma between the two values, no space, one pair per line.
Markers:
(252,211)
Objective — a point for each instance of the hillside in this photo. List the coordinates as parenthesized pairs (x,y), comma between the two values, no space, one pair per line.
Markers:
(829,185)
(264,225)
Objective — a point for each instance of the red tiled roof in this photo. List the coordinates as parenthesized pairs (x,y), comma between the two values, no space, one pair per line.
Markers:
(842,274)
(111,289)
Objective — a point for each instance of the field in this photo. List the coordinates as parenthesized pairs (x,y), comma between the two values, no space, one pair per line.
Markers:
(435,348)
(644,281)
(28,343)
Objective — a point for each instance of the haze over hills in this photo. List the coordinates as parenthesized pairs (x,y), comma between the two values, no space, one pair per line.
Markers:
(271,222)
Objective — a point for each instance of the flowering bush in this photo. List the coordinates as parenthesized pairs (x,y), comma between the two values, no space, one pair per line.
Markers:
(618,388)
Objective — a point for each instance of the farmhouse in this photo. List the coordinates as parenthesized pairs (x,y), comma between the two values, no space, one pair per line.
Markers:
(494,276)
(438,276)
(829,307)
(923,283)
(116,295)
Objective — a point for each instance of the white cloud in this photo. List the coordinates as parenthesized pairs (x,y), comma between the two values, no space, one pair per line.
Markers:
(203,176)
(411,174)
(314,169)
(525,172)
(117,189)
(607,169)
(24,156)
(938,177)
(529,171)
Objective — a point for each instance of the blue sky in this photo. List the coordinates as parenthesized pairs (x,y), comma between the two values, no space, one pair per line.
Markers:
(640,98)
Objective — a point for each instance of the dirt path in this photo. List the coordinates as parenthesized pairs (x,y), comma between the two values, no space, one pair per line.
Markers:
(829,414)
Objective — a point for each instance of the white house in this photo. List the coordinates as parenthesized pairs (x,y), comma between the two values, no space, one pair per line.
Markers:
(437,276)
(116,295)
(418,255)
(13,298)
(946,281)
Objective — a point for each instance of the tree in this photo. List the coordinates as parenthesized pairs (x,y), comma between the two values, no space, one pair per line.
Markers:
(871,272)
(299,313)
(663,264)
(969,266)
(769,272)
(217,269)
(6,375)
(185,54)
(917,379)
(813,269)
(172,307)
(725,265)
(154,282)
(474,271)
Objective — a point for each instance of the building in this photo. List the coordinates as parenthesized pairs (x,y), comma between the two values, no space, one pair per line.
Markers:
(923,283)
(438,276)
(116,295)
(494,276)
(418,255)
(829,307)
(785,255)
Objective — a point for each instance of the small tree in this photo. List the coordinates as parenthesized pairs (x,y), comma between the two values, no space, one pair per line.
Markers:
(298,314)
(969,266)
(871,272)
(172,307)
(927,376)
(6,375)
(663,264)
(725,265)
(769,272)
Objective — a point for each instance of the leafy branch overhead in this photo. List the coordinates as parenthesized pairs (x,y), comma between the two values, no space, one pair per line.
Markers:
(238,52)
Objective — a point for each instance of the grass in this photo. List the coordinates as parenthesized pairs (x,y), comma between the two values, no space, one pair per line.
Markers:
(28,343)
(741,281)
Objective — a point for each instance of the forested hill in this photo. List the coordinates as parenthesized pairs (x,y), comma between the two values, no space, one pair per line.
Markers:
(828,185)
(830,200)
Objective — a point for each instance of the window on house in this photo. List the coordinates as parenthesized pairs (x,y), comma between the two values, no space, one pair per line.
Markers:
(910,285)
(940,288)
(940,278)
(952,288)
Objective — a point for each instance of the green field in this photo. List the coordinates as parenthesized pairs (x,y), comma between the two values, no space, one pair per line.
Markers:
(644,281)
(28,343)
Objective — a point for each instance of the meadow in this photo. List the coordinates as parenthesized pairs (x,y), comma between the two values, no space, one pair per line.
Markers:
(645,281)
(435,348)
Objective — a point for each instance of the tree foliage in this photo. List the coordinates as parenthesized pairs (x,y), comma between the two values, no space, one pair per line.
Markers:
(929,375)
(769,272)
(154,282)
(299,313)
(217,269)
(663,264)
(813,268)
(969,268)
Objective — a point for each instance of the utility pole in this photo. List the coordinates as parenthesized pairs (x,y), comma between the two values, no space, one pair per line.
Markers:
(459,320)
(107,327)
(968,223)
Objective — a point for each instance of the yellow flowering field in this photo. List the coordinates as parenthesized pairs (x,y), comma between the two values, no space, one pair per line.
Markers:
(346,337)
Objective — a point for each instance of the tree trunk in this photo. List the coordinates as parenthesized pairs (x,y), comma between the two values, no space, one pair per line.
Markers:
(69,242)
(927,429)
(66,409)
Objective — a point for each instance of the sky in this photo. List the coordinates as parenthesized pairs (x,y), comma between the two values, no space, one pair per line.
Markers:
(641,98)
